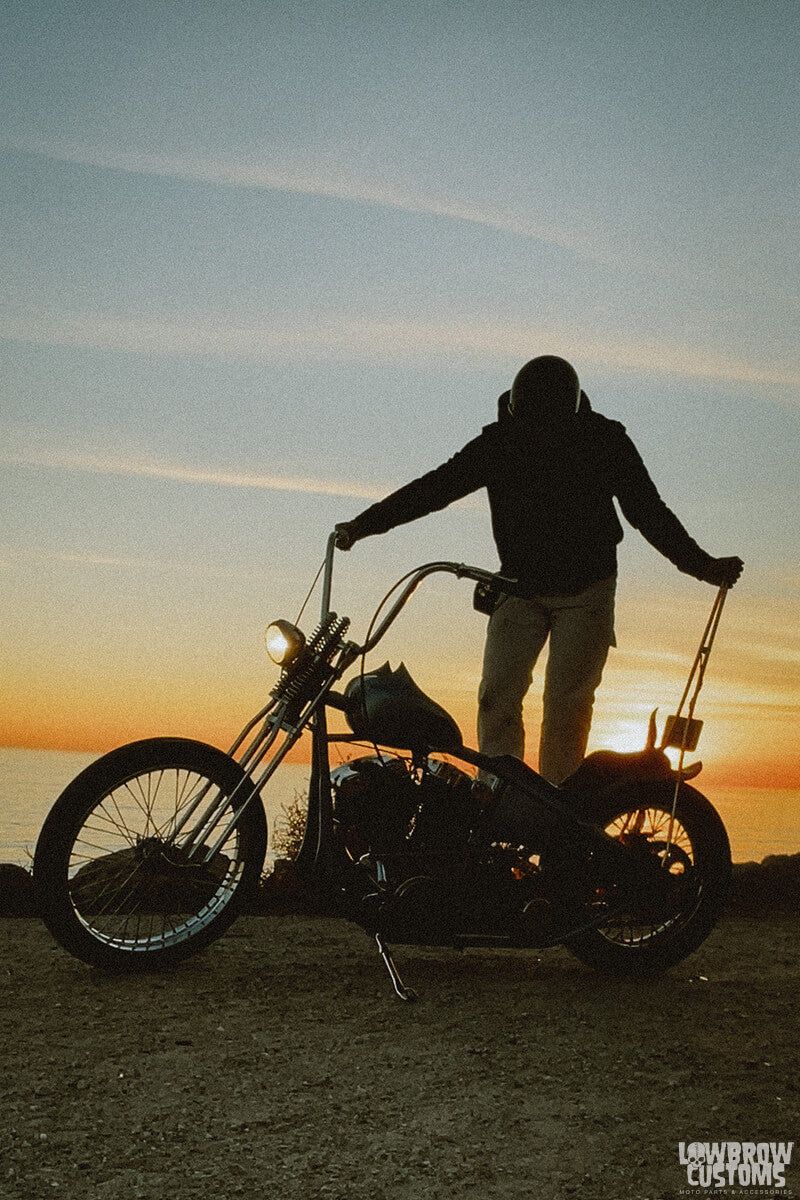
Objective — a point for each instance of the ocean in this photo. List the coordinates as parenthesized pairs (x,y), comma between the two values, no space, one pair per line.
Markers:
(32,780)
(760,821)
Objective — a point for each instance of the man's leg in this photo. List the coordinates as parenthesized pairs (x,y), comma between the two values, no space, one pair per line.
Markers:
(582,629)
(516,633)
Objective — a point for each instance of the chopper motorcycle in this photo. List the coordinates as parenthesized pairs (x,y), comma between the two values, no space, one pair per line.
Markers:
(153,850)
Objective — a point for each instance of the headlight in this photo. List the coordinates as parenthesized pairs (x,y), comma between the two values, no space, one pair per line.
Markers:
(285,642)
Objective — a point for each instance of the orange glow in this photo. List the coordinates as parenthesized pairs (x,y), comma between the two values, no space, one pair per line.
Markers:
(99,736)
(81,695)
(745,748)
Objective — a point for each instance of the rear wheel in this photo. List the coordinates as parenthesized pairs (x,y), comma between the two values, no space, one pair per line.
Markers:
(655,925)
(117,885)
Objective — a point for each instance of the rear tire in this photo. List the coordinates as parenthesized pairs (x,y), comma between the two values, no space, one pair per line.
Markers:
(113,888)
(651,934)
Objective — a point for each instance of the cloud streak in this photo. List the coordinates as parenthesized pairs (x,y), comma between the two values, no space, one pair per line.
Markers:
(14,557)
(332,338)
(320,181)
(369,340)
(97,464)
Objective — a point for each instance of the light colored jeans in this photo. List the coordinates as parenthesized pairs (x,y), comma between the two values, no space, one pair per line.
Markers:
(581,629)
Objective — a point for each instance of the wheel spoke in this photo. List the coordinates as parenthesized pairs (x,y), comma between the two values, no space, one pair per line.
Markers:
(119,824)
(125,889)
(117,890)
(644,830)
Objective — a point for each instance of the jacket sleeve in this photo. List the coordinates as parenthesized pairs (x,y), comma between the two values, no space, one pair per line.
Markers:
(642,505)
(465,472)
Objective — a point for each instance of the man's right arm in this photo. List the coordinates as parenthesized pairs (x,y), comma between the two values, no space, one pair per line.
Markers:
(465,472)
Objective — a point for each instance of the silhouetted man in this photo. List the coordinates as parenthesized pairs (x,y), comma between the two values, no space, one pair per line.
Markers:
(552,468)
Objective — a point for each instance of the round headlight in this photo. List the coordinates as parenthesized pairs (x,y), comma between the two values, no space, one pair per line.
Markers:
(285,642)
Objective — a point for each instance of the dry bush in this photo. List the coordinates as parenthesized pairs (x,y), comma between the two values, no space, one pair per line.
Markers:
(287,835)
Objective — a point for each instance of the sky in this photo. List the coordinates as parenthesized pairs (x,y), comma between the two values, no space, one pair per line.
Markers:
(264,262)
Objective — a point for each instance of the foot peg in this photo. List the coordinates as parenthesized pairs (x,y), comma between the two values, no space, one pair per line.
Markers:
(400,988)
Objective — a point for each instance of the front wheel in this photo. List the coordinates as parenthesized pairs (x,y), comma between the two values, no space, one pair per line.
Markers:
(651,928)
(139,863)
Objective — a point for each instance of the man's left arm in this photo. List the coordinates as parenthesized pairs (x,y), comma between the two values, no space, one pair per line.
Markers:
(644,508)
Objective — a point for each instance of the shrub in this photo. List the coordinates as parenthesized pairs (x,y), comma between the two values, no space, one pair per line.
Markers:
(287,835)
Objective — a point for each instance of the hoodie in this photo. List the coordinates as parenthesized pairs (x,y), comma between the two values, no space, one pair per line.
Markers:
(552,490)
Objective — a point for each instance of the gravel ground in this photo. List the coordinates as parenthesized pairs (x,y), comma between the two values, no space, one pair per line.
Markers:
(279,1063)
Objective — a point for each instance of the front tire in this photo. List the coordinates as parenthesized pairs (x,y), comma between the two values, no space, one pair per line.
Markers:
(650,932)
(116,888)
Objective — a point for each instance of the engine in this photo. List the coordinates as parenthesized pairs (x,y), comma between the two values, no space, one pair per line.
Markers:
(386,807)
(409,830)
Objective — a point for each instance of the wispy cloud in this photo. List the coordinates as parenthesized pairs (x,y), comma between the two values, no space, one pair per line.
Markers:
(369,340)
(319,179)
(364,340)
(96,464)
(14,557)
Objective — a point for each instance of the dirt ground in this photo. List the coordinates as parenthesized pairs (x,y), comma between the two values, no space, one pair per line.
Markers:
(279,1063)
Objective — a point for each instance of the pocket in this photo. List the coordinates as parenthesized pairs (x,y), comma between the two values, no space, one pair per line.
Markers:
(516,612)
(596,609)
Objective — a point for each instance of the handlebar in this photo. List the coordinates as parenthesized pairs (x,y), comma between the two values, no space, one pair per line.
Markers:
(327,577)
(460,570)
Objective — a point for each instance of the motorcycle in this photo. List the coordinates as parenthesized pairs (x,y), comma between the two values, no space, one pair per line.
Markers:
(153,850)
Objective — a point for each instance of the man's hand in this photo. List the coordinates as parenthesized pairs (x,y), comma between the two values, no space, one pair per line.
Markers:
(724,572)
(345,536)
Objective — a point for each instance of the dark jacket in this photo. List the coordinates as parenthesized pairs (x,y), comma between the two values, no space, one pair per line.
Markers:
(551,494)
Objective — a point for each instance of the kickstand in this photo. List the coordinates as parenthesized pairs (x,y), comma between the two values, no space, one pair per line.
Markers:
(400,988)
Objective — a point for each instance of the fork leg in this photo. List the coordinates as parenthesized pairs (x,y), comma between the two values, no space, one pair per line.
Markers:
(405,993)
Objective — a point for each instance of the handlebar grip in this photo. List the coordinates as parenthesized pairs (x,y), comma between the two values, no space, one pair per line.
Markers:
(463,571)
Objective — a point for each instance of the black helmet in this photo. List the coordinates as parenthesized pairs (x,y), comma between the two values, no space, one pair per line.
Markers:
(546,390)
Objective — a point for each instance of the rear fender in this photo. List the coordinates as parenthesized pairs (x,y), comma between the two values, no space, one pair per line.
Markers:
(605,771)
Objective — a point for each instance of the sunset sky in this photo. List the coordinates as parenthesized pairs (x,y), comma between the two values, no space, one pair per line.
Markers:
(263,262)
